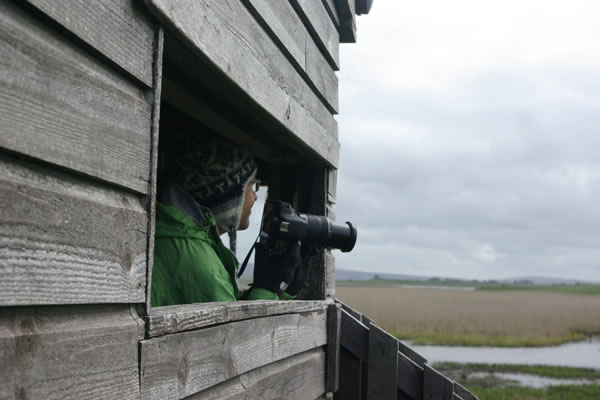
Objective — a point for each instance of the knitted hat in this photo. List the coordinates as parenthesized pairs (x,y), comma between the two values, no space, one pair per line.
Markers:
(215,174)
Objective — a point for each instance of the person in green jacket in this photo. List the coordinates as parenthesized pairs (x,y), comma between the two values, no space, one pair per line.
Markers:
(211,194)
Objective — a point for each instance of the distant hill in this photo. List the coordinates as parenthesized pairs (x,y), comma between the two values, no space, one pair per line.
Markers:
(349,275)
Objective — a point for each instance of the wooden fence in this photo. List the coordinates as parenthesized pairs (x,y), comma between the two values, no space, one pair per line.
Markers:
(376,365)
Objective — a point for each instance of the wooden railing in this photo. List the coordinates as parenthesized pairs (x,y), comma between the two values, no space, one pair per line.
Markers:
(376,365)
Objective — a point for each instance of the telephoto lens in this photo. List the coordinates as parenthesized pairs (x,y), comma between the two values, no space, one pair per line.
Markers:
(323,233)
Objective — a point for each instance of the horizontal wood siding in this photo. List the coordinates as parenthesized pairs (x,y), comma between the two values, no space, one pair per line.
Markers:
(66,239)
(119,29)
(185,317)
(69,353)
(283,22)
(233,42)
(299,377)
(179,365)
(324,32)
(60,104)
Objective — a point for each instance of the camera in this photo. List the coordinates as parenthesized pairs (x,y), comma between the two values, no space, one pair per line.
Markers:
(282,224)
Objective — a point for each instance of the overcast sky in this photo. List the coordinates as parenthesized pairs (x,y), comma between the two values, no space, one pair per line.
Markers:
(470,136)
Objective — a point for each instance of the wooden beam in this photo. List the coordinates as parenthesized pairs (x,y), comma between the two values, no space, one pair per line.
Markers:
(349,309)
(294,378)
(412,355)
(334,320)
(154,134)
(463,392)
(323,31)
(410,377)
(284,25)
(347,14)
(68,240)
(179,365)
(120,30)
(185,317)
(332,11)
(436,386)
(63,106)
(233,43)
(354,336)
(350,377)
(383,365)
(70,352)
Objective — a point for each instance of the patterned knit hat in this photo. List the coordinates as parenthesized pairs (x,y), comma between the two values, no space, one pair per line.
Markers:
(215,174)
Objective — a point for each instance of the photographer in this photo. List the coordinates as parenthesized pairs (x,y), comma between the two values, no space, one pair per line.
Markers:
(210,191)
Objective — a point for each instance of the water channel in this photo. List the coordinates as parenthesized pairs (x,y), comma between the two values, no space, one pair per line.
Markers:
(580,354)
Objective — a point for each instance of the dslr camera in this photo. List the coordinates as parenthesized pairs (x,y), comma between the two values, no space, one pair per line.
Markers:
(283,224)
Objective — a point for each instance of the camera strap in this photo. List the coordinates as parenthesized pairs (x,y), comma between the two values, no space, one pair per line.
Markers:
(245,263)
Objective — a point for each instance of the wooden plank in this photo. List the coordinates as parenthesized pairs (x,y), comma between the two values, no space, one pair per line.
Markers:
(120,30)
(435,385)
(156,96)
(334,321)
(332,185)
(178,365)
(68,240)
(232,42)
(332,11)
(456,397)
(354,336)
(287,30)
(70,352)
(349,309)
(347,14)
(410,353)
(323,31)
(410,377)
(61,105)
(185,317)
(350,377)
(383,365)
(295,378)
(463,392)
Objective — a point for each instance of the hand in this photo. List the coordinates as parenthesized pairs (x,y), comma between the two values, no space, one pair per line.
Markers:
(271,271)
(302,271)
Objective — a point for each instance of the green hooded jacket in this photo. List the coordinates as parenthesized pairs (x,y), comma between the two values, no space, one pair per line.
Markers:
(191,264)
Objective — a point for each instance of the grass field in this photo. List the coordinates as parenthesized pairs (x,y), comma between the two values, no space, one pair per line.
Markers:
(593,290)
(479,317)
(565,392)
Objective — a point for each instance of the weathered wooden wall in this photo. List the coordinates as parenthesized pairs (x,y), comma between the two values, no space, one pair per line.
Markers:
(80,92)
(76,98)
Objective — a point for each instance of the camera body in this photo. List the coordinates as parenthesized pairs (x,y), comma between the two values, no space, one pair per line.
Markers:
(283,224)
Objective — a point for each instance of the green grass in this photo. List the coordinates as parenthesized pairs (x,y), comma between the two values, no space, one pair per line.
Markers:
(563,392)
(484,340)
(539,370)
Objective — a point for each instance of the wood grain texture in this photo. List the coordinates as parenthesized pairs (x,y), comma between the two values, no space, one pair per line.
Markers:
(68,240)
(299,377)
(83,352)
(234,43)
(287,30)
(383,365)
(354,336)
(410,377)
(119,29)
(185,317)
(178,365)
(332,11)
(347,15)
(323,31)
(436,386)
(332,185)
(350,377)
(156,95)
(334,320)
(63,106)
(463,392)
